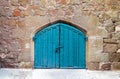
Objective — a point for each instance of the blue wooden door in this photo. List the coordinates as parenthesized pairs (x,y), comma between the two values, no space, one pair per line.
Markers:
(59,46)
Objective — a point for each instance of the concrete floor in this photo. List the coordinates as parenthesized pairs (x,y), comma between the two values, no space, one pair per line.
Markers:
(57,74)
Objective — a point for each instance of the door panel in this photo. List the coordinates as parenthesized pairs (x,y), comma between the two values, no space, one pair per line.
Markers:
(45,44)
(72,55)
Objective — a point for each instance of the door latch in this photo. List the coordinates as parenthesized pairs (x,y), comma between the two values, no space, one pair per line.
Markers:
(58,49)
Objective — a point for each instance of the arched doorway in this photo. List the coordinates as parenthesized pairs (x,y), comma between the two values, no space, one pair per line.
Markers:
(60,45)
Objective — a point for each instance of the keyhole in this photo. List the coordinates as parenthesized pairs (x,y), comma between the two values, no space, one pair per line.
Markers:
(57,50)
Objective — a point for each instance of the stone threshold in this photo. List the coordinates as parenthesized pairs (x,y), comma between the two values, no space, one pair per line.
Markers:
(57,74)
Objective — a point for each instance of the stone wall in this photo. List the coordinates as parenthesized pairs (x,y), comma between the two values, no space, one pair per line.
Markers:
(20,19)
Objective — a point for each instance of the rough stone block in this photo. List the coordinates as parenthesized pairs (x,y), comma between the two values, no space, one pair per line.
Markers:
(36,21)
(105,66)
(38,12)
(70,11)
(117,28)
(5,11)
(116,66)
(61,1)
(104,57)
(75,1)
(96,48)
(117,23)
(10,22)
(115,5)
(114,57)
(119,45)
(25,55)
(14,2)
(112,14)
(110,29)
(23,2)
(14,46)
(4,2)
(26,13)
(25,65)
(115,18)
(52,12)
(93,65)
(101,32)
(116,35)
(12,54)
(16,13)
(108,40)
(98,57)
(105,16)
(7,65)
(110,48)
(118,51)
(21,24)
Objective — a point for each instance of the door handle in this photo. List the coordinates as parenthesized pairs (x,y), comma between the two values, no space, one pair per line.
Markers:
(58,49)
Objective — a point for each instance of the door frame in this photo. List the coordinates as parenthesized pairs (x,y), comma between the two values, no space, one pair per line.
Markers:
(51,23)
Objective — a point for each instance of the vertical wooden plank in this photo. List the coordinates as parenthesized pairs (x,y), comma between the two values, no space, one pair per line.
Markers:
(50,63)
(41,49)
(39,54)
(70,49)
(62,58)
(81,52)
(65,51)
(44,49)
(75,48)
(78,48)
(47,52)
(35,54)
(56,35)
(37,58)
(61,44)
(54,46)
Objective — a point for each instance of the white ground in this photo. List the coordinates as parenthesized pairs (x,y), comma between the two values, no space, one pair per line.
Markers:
(57,74)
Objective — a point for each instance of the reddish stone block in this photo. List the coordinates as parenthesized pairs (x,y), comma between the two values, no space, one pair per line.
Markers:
(70,11)
(21,24)
(34,7)
(23,2)
(61,1)
(52,12)
(16,13)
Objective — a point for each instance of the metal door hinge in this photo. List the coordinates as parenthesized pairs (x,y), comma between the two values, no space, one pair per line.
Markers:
(86,38)
(33,38)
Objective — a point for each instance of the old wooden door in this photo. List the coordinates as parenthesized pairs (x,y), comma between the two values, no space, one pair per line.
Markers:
(59,46)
